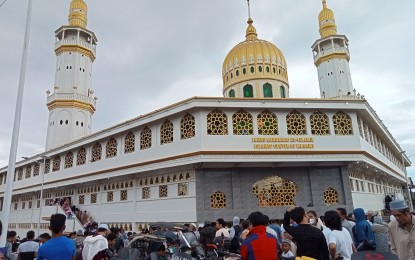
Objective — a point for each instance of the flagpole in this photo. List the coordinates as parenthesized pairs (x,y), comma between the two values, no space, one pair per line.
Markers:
(16,128)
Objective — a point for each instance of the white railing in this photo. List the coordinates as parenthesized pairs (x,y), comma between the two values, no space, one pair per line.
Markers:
(71,96)
(76,42)
(330,51)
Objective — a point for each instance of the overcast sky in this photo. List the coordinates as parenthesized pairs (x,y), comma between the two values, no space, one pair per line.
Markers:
(153,53)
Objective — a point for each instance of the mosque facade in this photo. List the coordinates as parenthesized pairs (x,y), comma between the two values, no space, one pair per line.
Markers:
(203,158)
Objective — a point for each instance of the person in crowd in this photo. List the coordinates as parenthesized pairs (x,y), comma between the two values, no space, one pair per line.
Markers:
(43,238)
(207,234)
(314,220)
(234,234)
(350,217)
(270,230)
(274,225)
(245,227)
(340,242)
(95,246)
(310,240)
(193,228)
(79,239)
(66,206)
(2,257)
(402,230)
(362,231)
(28,249)
(59,246)
(10,238)
(388,200)
(259,244)
(221,228)
(119,241)
(111,251)
(347,224)
(159,254)
(380,230)
(369,215)
(286,250)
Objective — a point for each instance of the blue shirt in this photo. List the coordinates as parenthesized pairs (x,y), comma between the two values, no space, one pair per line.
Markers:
(60,248)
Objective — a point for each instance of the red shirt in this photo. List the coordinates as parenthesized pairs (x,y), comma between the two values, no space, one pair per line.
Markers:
(259,245)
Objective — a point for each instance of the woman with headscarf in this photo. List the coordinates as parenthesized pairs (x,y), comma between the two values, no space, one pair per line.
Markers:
(380,230)
(314,220)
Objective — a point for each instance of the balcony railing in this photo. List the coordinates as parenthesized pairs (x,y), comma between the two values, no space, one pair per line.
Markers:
(330,51)
(76,42)
(71,96)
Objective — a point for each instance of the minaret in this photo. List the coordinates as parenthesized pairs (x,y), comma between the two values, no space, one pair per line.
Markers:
(331,57)
(72,104)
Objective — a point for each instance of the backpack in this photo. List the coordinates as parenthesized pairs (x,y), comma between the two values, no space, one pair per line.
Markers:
(235,242)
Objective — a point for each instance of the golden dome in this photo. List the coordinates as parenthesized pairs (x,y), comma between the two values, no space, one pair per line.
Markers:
(253,59)
(326,21)
(78,13)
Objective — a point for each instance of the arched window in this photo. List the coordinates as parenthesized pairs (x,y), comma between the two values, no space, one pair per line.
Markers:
(282,91)
(166,132)
(217,123)
(145,138)
(96,152)
(242,123)
(56,163)
(319,123)
(231,93)
(187,127)
(331,197)
(275,191)
(296,123)
(129,143)
(218,200)
(267,123)
(343,124)
(267,90)
(68,160)
(248,91)
(81,156)
(111,148)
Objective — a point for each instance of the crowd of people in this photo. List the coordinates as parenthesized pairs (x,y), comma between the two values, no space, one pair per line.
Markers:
(336,235)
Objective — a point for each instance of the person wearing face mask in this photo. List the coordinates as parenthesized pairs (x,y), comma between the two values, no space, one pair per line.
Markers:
(314,220)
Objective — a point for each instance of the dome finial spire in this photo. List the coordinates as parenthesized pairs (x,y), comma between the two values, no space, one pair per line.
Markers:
(78,13)
(251,34)
(326,21)
(324,4)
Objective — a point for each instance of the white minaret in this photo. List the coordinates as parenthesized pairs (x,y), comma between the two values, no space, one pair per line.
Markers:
(72,104)
(331,57)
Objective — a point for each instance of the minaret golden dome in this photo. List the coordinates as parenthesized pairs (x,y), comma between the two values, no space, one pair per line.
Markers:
(78,14)
(327,22)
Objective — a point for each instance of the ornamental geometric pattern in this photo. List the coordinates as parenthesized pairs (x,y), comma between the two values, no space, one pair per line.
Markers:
(124,195)
(331,197)
(111,148)
(319,123)
(267,123)
(146,193)
(145,138)
(56,163)
(47,166)
(218,200)
(365,132)
(359,124)
(242,123)
(19,174)
(296,123)
(275,191)
(36,170)
(28,171)
(68,160)
(342,124)
(166,132)
(110,196)
(217,123)
(163,191)
(94,198)
(96,152)
(81,156)
(187,127)
(129,143)
(182,189)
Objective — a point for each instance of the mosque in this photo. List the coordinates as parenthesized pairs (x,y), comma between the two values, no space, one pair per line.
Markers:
(203,158)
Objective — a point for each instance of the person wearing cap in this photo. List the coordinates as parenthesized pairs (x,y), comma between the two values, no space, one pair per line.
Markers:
(95,246)
(286,249)
(79,239)
(402,230)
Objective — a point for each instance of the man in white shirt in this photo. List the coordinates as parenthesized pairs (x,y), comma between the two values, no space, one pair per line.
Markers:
(221,228)
(28,249)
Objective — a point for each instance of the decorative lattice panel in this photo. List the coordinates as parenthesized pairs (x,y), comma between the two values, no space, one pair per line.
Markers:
(94,198)
(242,123)
(20,174)
(81,199)
(129,143)
(187,127)
(36,170)
(145,138)
(163,191)
(319,123)
(110,196)
(81,156)
(96,152)
(275,191)
(217,123)
(146,193)
(28,171)
(47,166)
(56,163)
(124,195)
(342,124)
(359,124)
(331,196)
(111,148)
(182,189)
(296,123)
(166,132)
(218,200)
(267,123)
(69,160)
